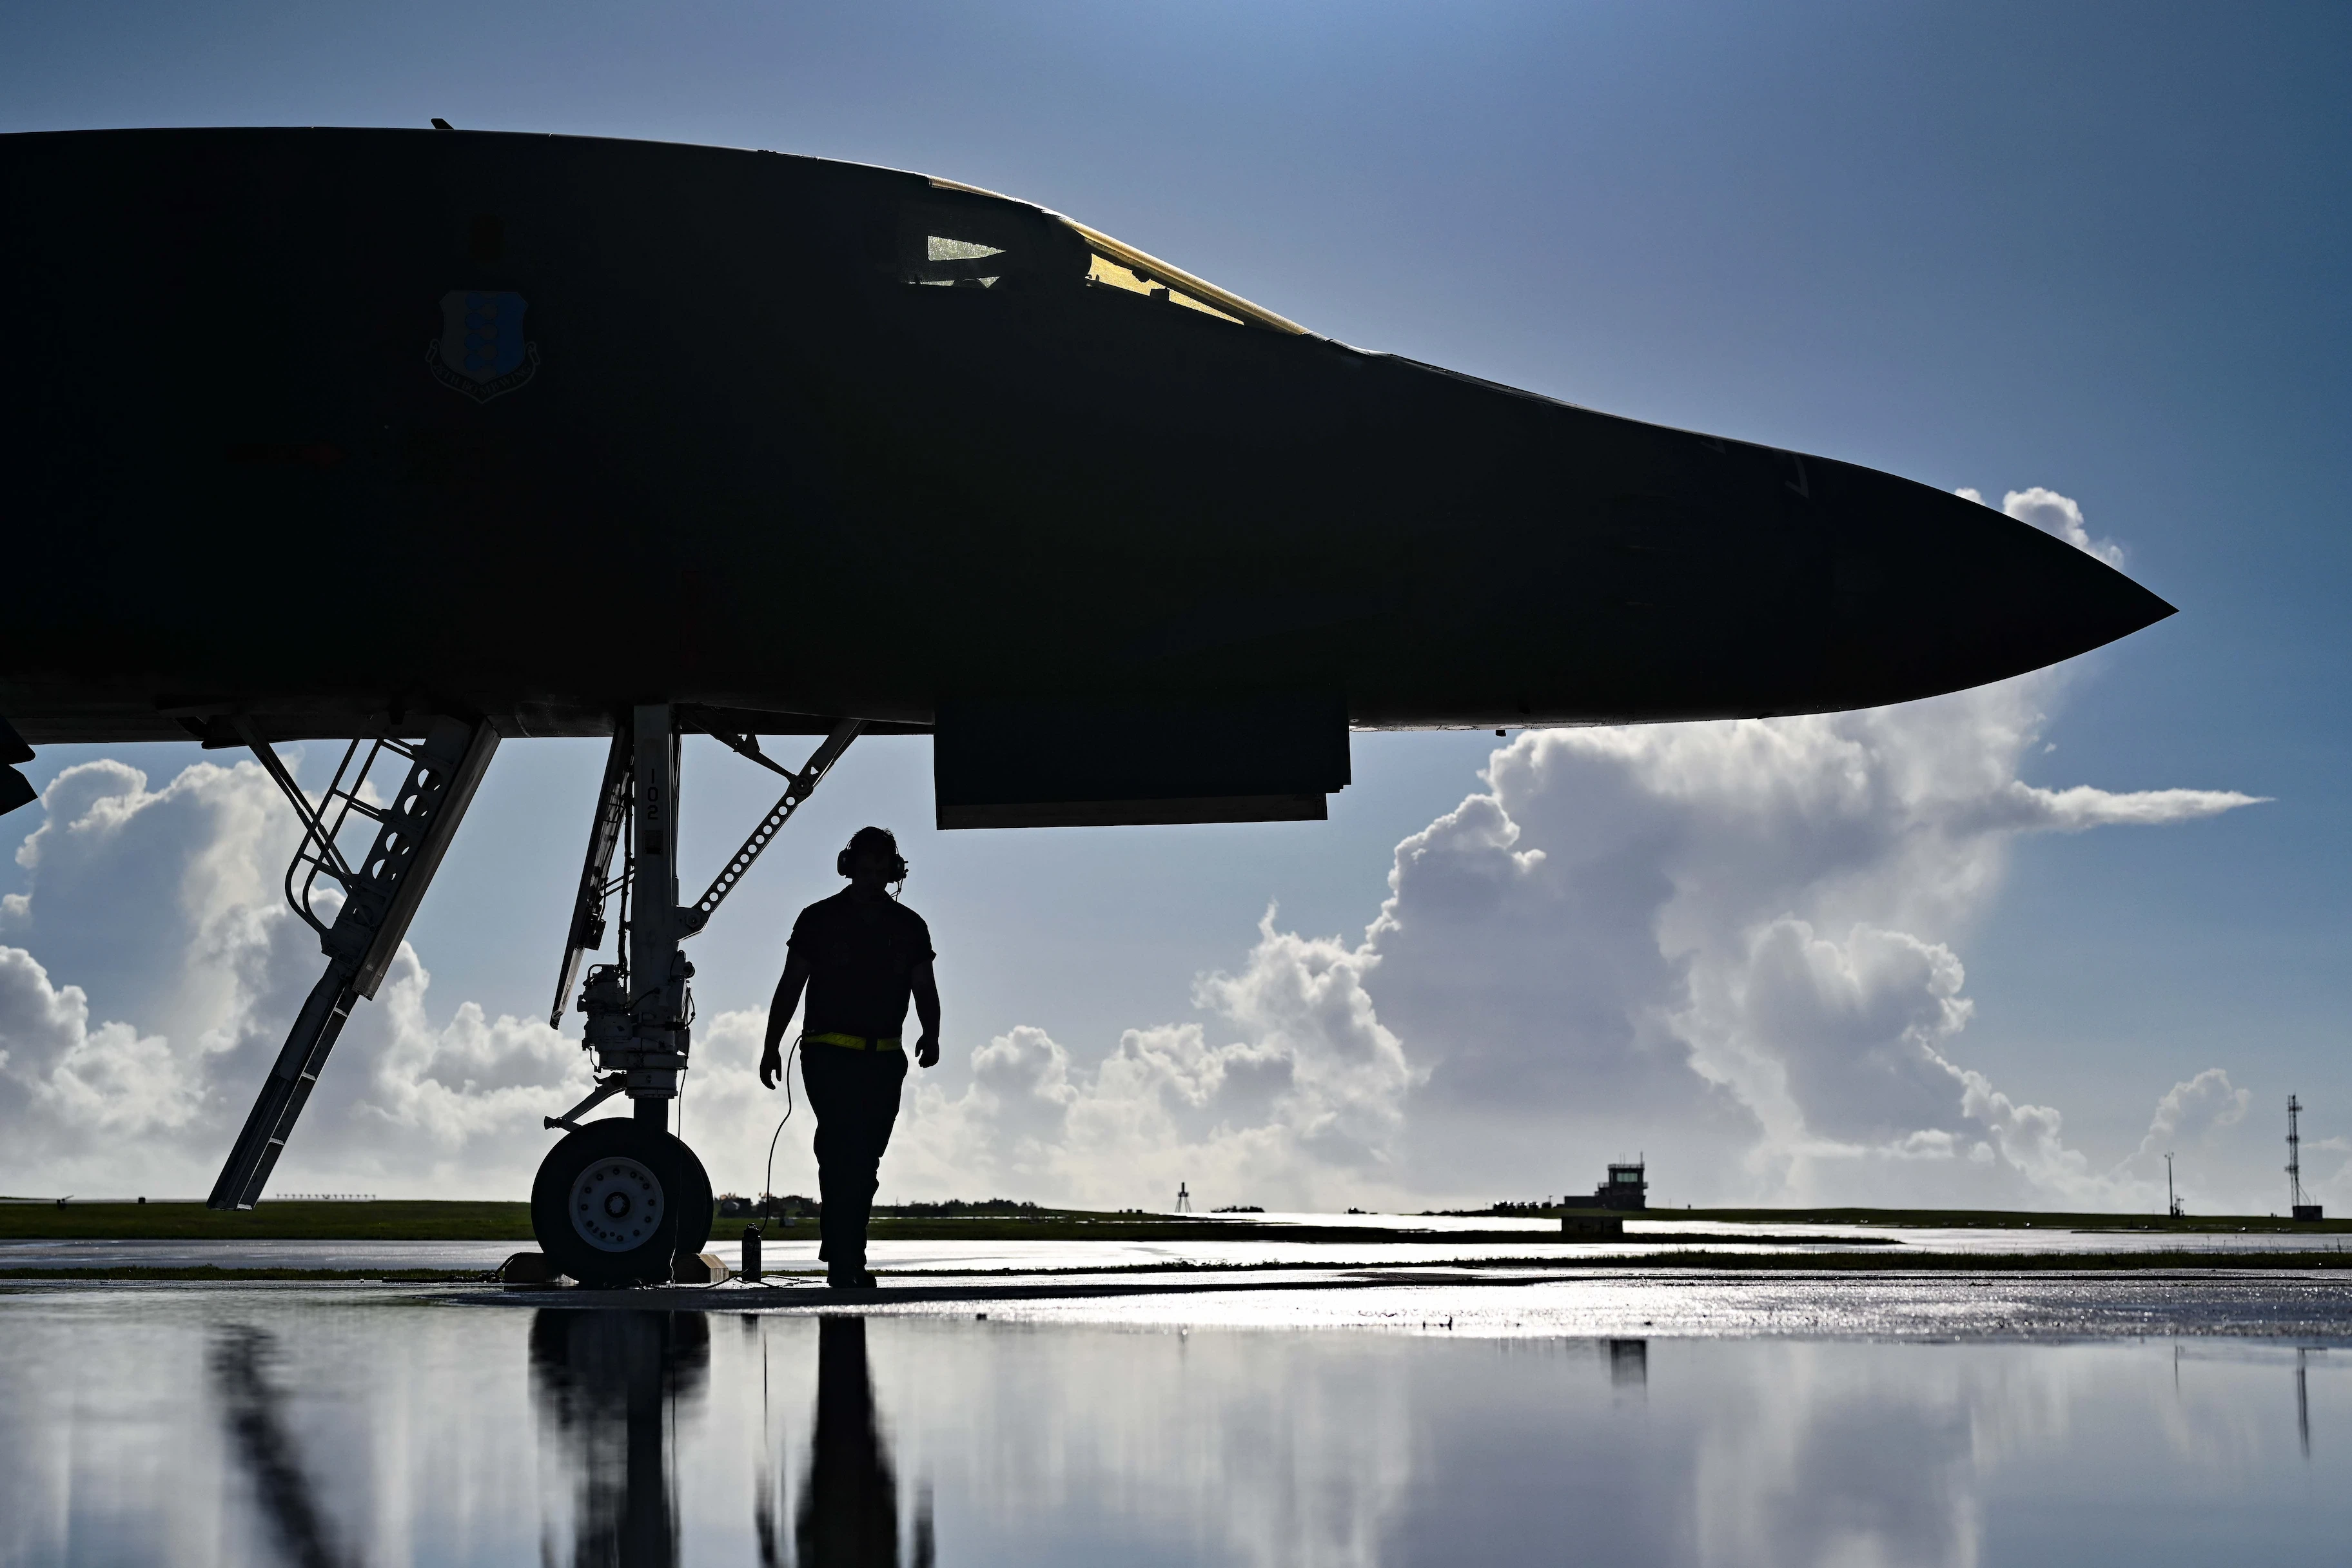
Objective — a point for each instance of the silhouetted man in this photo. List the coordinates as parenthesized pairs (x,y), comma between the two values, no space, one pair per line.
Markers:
(862,955)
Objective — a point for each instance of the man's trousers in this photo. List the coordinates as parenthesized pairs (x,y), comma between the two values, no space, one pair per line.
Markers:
(854,1095)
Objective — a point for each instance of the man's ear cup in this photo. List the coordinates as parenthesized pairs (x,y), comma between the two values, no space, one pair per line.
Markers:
(898,865)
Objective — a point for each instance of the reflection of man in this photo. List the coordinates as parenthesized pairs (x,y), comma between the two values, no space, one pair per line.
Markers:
(862,955)
(849,1510)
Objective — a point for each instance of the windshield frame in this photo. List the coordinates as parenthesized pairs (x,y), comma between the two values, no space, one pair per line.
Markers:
(1149,266)
(1143,264)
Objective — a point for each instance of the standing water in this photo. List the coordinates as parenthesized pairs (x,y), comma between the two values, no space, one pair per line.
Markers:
(338,1425)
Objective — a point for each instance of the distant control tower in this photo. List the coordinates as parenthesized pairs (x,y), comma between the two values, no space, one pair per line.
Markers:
(1627,1187)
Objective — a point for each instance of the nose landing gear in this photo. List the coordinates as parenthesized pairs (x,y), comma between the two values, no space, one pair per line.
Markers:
(618,1200)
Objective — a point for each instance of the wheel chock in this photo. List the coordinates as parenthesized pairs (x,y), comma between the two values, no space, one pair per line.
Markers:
(530,1271)
(699,1268)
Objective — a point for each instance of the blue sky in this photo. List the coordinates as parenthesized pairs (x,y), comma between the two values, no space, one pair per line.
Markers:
(2096,248)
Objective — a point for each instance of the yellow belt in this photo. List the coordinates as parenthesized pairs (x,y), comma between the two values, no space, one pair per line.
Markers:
(857,1042)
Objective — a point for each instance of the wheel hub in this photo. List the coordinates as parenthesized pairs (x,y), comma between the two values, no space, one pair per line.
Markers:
(616,1204)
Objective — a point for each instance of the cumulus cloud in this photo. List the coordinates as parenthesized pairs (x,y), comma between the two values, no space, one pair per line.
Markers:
(1742,938)
(2192,1111)
(2053,513)
(67,1082)
(1301,1106)
(2202,1119)
(170,900)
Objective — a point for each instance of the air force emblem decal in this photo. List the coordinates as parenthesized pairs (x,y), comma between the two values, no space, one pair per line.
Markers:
(481,351)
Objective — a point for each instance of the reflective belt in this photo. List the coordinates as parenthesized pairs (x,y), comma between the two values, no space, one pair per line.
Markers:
(856,1042)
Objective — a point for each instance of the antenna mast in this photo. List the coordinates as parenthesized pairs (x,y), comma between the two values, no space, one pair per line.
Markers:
(2171,1204)
(2293,1155)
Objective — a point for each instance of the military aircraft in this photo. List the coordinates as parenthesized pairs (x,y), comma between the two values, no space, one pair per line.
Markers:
(424,440)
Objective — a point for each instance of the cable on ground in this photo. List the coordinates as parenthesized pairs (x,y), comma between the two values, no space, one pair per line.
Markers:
(768,1182)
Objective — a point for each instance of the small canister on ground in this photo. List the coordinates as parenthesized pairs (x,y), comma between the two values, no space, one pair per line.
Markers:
(750,1272)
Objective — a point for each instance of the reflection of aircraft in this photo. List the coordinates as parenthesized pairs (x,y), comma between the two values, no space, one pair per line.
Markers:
(252,1408)
(607,1382)
(454,436)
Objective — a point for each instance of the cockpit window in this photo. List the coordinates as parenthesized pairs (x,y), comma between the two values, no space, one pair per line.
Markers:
(951,262)
(967,247)
(985,246)
(1116,275)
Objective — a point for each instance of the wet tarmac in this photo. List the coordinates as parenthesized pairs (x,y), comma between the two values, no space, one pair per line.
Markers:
(1466,1415)
(796,1250)
(2312,1307)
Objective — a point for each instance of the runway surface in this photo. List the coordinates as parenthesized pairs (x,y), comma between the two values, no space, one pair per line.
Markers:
(796,1248)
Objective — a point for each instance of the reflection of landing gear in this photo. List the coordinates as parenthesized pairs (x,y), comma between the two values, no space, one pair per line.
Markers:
(608,1385)
(618,1199)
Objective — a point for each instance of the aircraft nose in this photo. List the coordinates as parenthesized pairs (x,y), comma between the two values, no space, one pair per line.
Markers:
(1932,592)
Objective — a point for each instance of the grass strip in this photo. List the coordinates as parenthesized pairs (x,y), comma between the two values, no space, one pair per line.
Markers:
(428,1220)
(214,1271)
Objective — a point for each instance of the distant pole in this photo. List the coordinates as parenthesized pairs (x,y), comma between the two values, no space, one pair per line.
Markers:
(2171,1204)
(1184,1199)
(2294,1156)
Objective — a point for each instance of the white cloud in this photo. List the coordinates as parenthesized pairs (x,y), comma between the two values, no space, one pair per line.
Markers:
(1735,943)
(1302,1108)
(2056,514)
(2192,1111)
(69,1082)
(169,902)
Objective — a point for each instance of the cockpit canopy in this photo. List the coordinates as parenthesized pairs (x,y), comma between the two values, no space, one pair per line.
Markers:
(963,244)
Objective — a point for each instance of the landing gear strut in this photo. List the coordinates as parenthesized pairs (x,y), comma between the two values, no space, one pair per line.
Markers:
(619,1199)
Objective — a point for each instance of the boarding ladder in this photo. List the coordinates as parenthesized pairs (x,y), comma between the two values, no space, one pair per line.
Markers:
(373,899)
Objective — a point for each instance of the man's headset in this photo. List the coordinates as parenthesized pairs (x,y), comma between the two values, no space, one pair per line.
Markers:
(871,839)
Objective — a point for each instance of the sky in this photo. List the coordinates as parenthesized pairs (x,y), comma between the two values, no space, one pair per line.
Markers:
(2006,947)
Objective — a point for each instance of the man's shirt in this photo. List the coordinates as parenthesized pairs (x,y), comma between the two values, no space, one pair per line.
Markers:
(861,959)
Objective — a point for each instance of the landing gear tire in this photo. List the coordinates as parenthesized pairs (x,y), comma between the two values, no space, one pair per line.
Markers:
(695,1205)
(616,1202)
